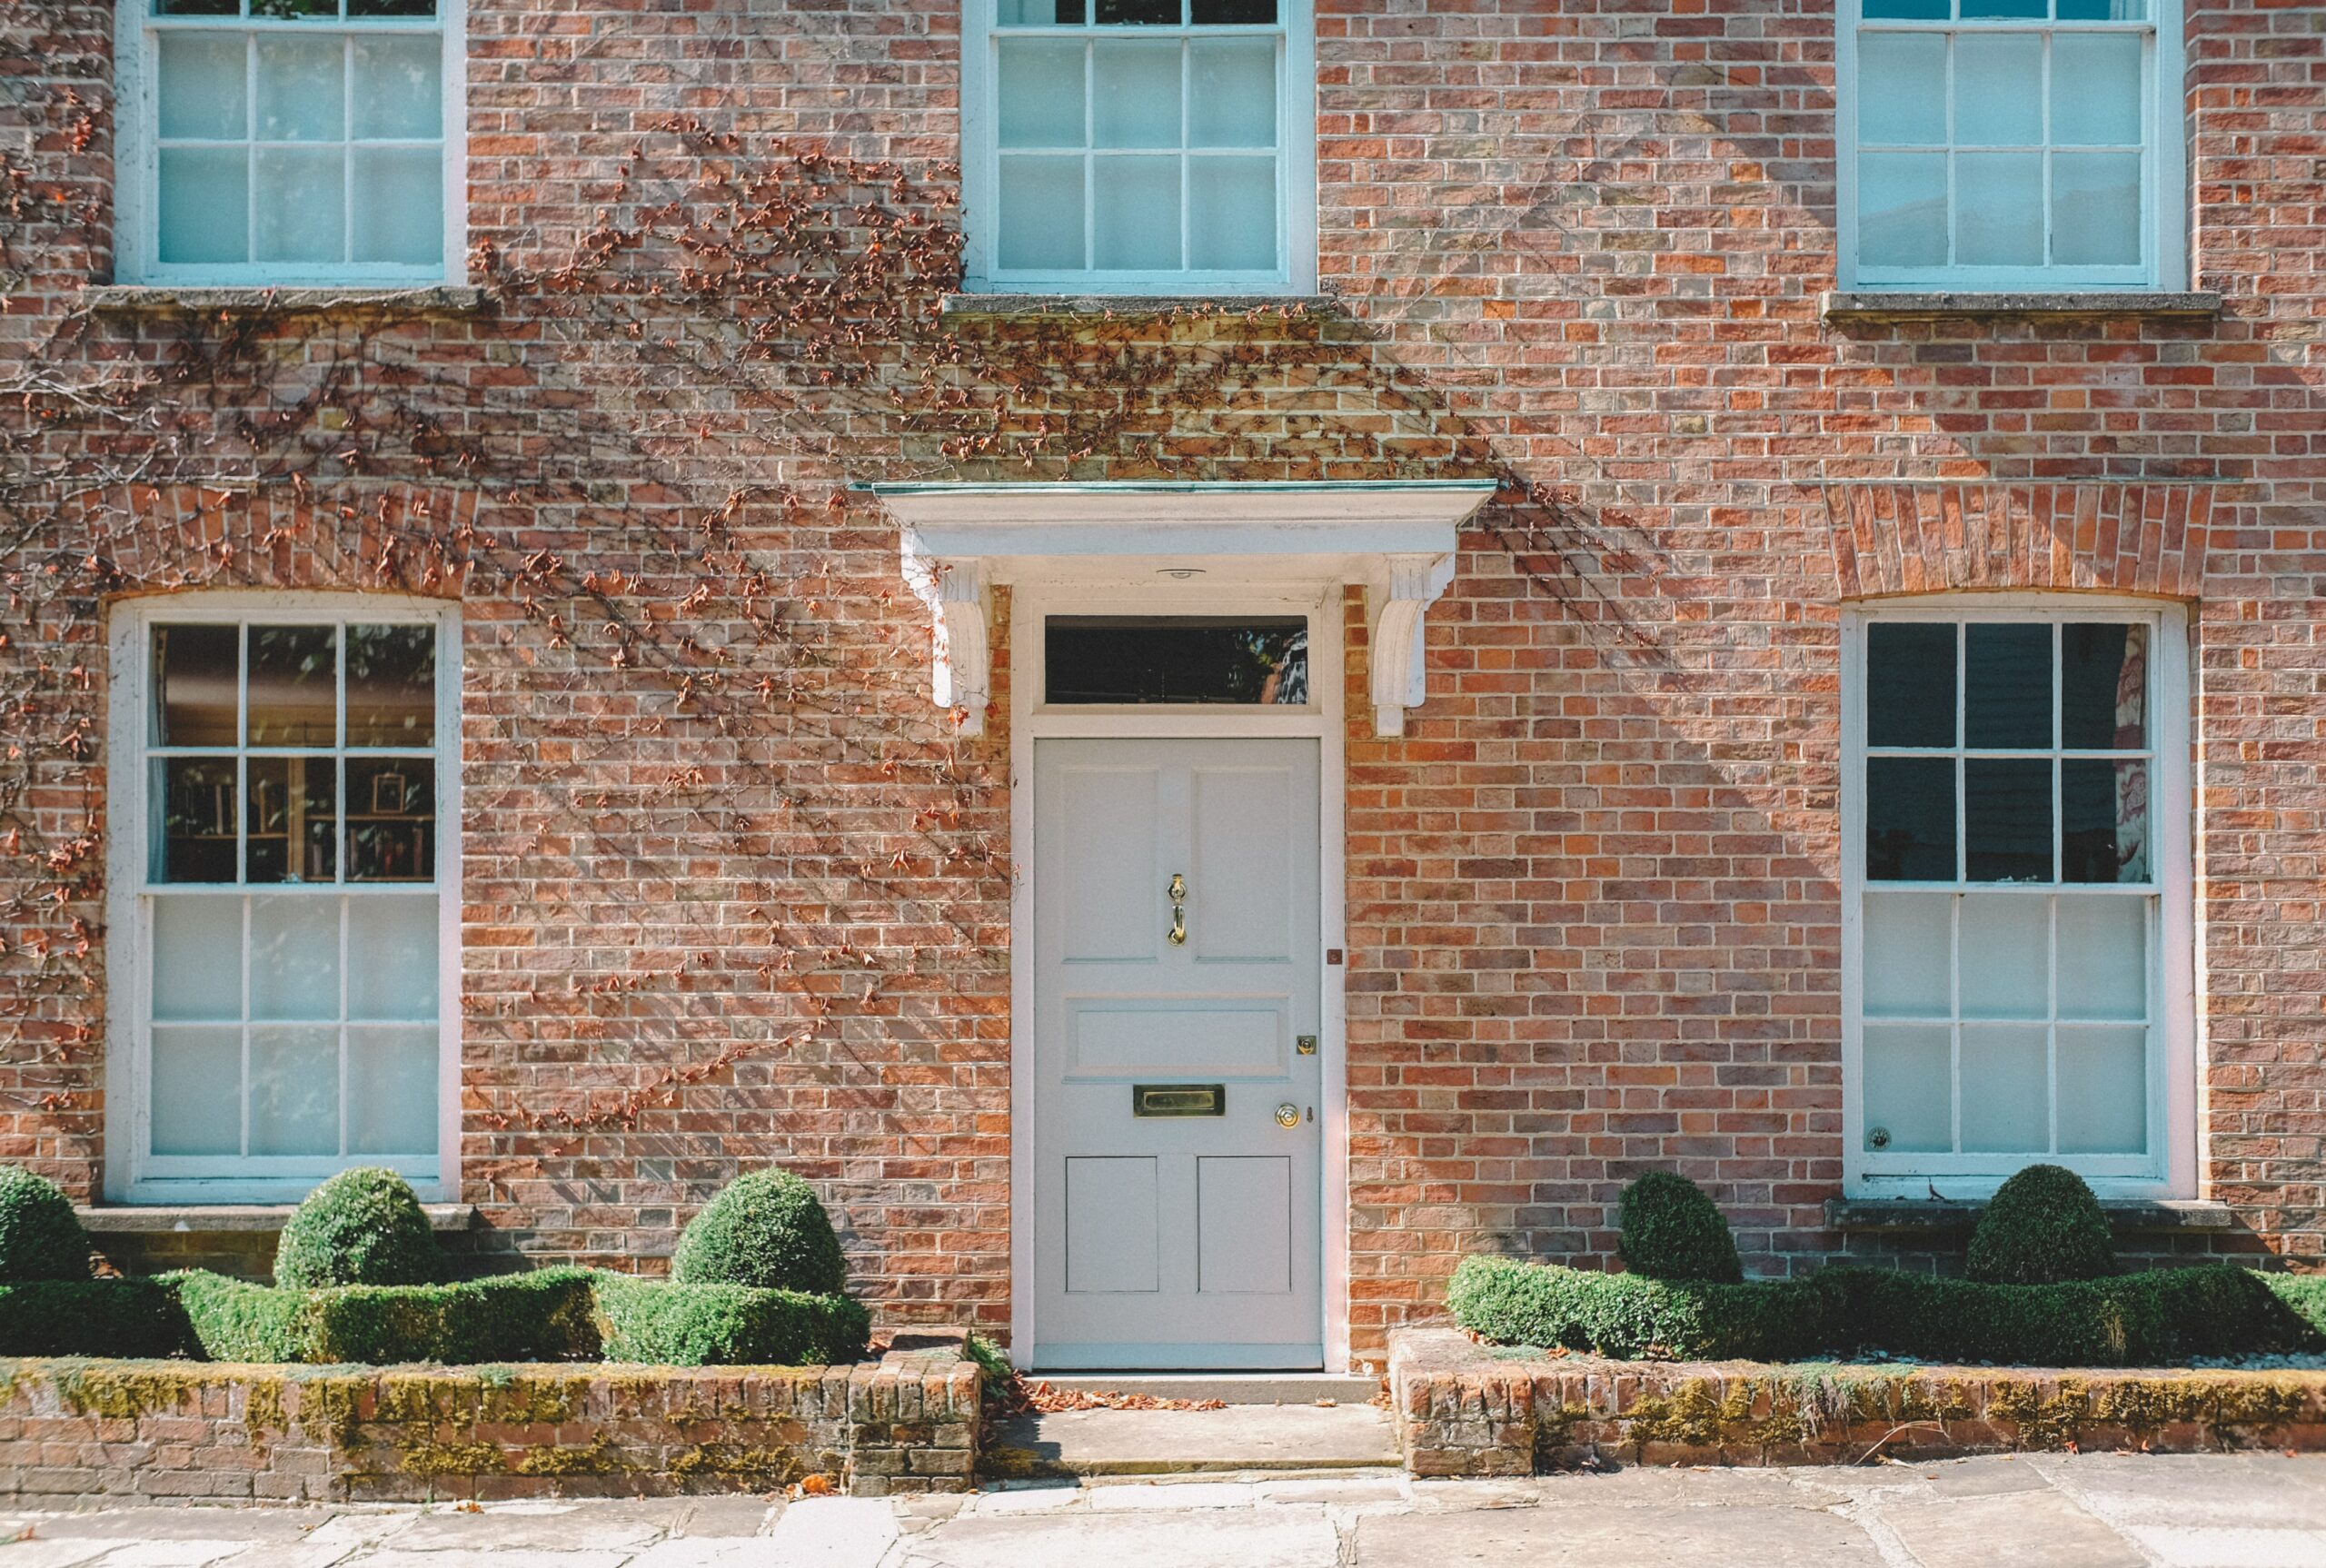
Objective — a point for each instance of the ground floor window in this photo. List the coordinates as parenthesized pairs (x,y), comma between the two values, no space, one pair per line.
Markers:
(283,768)
(2016,809)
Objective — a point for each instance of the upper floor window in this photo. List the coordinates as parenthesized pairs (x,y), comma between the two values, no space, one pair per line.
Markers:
(2017,944)
(289,141)
(282,781)
(2009,144)
(1140,145)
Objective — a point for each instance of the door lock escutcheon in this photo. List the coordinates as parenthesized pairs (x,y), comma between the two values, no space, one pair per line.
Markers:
(1306,1045)
(1178,910)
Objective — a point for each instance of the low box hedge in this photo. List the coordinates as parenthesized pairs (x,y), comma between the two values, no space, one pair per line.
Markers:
(668,1324)
(114,1317)
(543,1316)
(2135,1319)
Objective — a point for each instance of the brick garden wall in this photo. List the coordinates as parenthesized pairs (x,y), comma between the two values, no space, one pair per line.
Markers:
(1595,917)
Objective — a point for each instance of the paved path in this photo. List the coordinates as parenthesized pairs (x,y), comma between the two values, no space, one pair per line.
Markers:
(2050,1511)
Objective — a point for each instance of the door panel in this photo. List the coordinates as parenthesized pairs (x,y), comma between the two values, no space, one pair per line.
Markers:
(1176,1240)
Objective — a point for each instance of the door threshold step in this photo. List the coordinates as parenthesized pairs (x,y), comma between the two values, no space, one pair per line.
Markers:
(1227,1387)
(1244,1438)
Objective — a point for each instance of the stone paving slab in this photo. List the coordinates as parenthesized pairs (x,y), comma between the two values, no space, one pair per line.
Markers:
(1241,1437)
(1271,1538)
(1610,1537)
(2045,1530)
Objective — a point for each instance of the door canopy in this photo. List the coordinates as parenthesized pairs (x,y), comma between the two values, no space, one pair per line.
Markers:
(1396,537)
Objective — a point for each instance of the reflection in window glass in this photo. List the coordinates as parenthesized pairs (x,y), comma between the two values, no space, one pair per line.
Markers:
(1183,659)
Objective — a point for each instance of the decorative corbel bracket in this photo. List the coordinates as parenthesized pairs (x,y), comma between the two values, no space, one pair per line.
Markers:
(961,662)
(1401,599)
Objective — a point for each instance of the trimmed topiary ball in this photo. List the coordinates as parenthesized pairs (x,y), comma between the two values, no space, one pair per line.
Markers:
(764,1228)
(40,1238)
(1673,1231)
(361,1227)
(2042,1226)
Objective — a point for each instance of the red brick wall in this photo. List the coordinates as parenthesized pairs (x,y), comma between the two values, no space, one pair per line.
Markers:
(1593,892)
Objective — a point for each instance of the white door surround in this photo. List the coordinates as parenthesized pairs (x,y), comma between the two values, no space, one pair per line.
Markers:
(1180,549)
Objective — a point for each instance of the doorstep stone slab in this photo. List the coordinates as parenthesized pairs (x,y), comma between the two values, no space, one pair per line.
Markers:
(1745,1536)
(1270,1538)
(2044,1529)
(1166,1442)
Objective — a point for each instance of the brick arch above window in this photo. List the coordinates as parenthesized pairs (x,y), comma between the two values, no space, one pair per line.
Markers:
(1935,538)
(163,537)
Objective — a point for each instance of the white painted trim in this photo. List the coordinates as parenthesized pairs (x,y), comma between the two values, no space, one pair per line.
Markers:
(2164,241)
(127,1110)
(1297,174)
(137,171)
(2173,1170)
(1032,719)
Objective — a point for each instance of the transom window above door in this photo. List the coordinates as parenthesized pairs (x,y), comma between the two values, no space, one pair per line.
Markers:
(289,141)
(2018,863)
(1140,145)
(1994,144)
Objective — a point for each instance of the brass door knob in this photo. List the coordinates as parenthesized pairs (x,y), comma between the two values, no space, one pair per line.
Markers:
(1287,1115)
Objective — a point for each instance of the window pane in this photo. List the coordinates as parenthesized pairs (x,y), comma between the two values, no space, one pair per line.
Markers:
(392,1091)
(2101,11)
(1232,223)
(391,8)
(198,958)
(1909,945)
(391,686)
(1039,13)
(2007,685)
(1909,684)
(1127,659)
(391,819)
(1041,93)
(1999,209)
(1163,13)
(2106,830)
(1231,88)
(398,90)
(294,831)
(203,88)
(2103,957)
(2006,820)
(1041,214)
(1138,227)
(301,217)
(197,8)
(301,87)
(1234,13)
(2096,89)
(1902,89)
(1999,90)
(2104,688)
(393,942)
(2103,1091)
(2096,209)
(400,205)
(294,957)
(296,10)
(294,686)
(1909,1092)
(2006,1090)
(1910,819)
(197,667)
(1135,93)
(205,204)
(294,1091)
(1907,10)
(1901,209)
(1988,10)
(197,1084)
(196,840)
(2006,956)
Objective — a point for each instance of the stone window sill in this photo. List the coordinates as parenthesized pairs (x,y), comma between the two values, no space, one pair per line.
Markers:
(2133,1216)
(1137,305)
(218,1218)
(134,298)
(1868,305)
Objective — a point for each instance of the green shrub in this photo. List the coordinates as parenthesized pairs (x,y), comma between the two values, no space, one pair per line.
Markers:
(2304,1295)
(2042,1226)
(2165,1314)
(40,1237)
(113,1317)
(1672,1230)
(764,1229)
(673,1324)
(362,1226)
(544,1316)
(1631,1314)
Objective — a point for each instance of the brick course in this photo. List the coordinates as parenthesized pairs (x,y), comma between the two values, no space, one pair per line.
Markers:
(1594,892)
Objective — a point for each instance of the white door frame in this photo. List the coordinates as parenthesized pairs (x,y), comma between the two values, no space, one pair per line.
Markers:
(1032,719)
